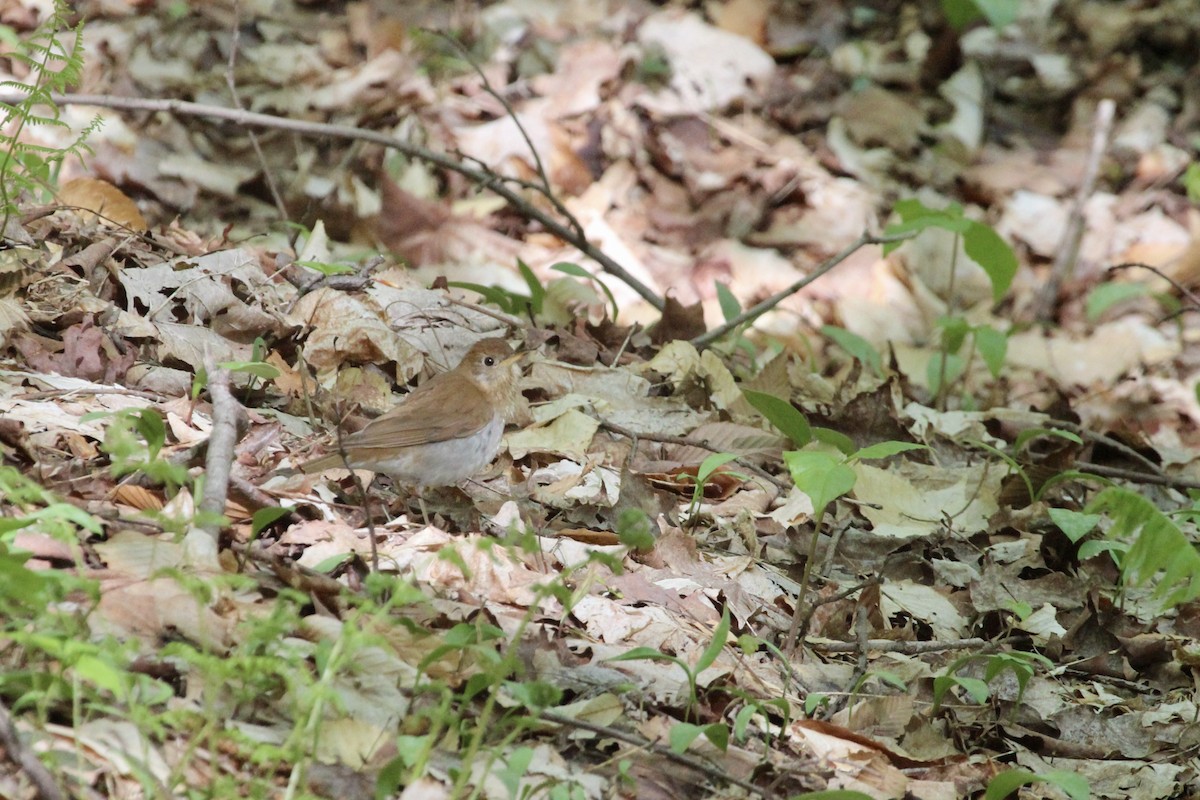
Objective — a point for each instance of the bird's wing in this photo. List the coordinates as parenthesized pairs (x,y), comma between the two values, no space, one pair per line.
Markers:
(425,417)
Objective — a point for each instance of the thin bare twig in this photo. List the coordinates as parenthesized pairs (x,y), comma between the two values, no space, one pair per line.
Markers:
(364,498)
(705,339)
(683,441)
(221,443)
(10,742)
(487,180)
(890,646)
(1068,250)
(538,166)
(1135,476)
(1179,287)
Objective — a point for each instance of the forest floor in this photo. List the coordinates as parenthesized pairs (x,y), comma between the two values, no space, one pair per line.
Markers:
(924,528)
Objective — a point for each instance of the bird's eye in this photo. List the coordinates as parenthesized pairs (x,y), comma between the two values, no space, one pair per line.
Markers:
(489,361)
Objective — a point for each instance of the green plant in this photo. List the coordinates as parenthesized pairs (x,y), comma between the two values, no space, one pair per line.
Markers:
(731,308)
(1106,295)
(654,69)
(998,13)
(1003,785)
(482,717)
(133,441)
(983,246)
(550,302)
(757,707)
(54,62)
(1036,488)
(1022,665)
(705,471)
(824,477)
(949,364)
(856,346)
(1191,182)
(257,368)
(706,659)
(1143,541)
(792,423)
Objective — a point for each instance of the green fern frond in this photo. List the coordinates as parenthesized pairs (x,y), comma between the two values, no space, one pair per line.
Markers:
(53,55)
(1158,545)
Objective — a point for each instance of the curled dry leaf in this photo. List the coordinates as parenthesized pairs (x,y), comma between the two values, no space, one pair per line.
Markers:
(106,201)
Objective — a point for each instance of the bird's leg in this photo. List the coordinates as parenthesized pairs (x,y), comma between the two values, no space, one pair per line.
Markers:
(421,502)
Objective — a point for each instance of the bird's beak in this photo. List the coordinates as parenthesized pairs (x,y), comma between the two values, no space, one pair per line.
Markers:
(515,357)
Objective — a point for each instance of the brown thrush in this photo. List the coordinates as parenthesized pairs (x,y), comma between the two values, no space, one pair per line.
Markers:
(448,428)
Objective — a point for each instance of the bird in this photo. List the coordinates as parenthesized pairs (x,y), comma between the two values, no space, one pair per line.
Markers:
(447,430)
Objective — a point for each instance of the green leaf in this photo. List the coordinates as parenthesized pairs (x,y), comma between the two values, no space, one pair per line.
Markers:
(1075,785)
(537,292)
(54,512)
(1095,547)
(960,13)
(782,414)
(259,369)
(1008,782)
(835,439)
(535,695)
(720,636)
(1025,436)
(1022,610)
(634,529)
(741,722)
(1003,785)
(977,689)
(718,734)
(955,366)
(887,449)
(832,794)
(915,217)
(265,517)
(813,701)
(23,585)
(102,674)
(991,252)
(856,346)
(646,654)
(980,242)
(579,272)
(199,381)
(9,524)
(1075,524)
(1158,546)
(1107,295)
(820,476)
(151,427)
(954,333)
(890,678)
(328,564)
(507,301)
(999,13)
(326,269)
(682,735)
(993,346)
(1191,182)
(730,307)
(710,465)
(515,767)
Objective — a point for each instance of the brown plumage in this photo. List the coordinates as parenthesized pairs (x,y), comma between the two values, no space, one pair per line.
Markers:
(448,428)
